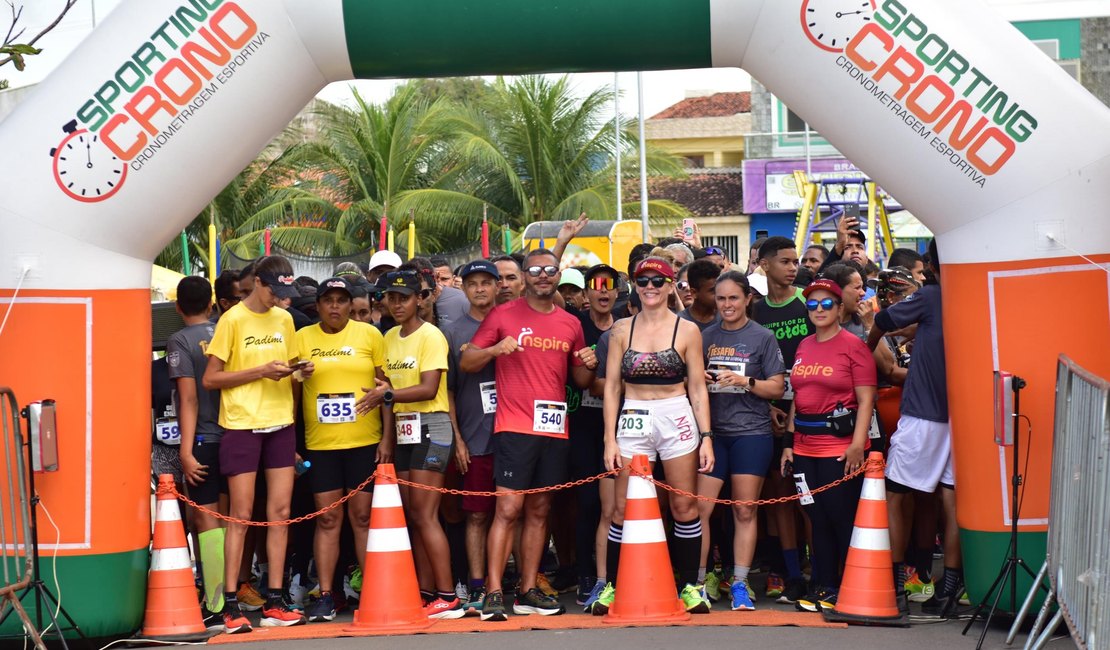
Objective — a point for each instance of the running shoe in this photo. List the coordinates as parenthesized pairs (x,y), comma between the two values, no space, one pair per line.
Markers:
(795,589)
(461,592)
(535,601)
(775,585)
(814,601)
(323,609)
(592,596)
(693,600)
(493,608)
(249,598)
(277,613)
(356,580)
(350,594)
(964,599)
(828,603)
(233,620)
(297,592)
(212,620)
(600,607)
(544,585)
(741,599)
(586,589)
(712,586)
(918,590)
(473,605)
(443,609)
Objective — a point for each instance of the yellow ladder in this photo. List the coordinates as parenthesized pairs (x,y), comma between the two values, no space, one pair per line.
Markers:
(811,204)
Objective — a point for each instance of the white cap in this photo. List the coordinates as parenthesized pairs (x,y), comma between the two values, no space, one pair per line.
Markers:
(384,258)
(758,281)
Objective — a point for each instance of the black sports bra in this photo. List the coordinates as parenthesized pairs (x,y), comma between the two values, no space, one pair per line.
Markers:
(662,368)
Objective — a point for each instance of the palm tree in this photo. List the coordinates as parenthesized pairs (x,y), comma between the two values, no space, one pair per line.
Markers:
(535,151)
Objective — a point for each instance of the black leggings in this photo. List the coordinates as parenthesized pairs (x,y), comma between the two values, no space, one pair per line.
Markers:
(832,514)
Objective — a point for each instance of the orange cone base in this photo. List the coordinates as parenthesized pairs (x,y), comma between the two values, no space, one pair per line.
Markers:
(414,623)
(852,619)
(617,615)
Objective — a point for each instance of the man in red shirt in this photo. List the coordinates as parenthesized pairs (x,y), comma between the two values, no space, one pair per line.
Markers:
(534,342)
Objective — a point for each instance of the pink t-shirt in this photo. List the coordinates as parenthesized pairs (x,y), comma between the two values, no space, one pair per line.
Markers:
(538,371)
(826,373)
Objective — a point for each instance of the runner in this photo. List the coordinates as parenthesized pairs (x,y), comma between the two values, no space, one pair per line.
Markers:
(661,417)
(342,444)
(533,342)
(198,413)
(250,359)
(473,400)
(416,364)
(744,370)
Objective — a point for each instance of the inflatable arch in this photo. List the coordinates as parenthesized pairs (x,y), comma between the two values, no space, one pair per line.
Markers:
(989,142)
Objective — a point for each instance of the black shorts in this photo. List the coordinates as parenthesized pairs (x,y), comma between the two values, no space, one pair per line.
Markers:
(208,492)
(341,469)
(435,449)
(523,461)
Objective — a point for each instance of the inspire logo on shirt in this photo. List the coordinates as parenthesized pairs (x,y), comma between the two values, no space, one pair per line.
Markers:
(811,369)
(528,340)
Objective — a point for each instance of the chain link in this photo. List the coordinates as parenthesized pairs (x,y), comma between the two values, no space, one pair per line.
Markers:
(171,489)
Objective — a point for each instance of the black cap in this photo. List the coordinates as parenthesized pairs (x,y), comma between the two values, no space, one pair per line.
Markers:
(601,268)
(405,283)
(479,266)
(334,283)
(282,285)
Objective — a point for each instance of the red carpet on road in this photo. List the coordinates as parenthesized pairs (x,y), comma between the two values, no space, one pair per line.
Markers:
(765,618)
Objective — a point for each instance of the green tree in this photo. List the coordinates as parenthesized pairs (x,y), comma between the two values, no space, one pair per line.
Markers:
(14,52)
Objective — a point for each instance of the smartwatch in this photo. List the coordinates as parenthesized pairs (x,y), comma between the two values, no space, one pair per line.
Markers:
(387,397)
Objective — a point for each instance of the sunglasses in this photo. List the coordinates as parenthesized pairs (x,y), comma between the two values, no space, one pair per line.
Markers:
(683,285)
(549,271)
(656,281)
(826,304)
(714,250)
(603,284)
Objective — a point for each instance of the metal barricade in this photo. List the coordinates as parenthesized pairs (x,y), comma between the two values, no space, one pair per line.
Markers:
(1077,562)
(15,516)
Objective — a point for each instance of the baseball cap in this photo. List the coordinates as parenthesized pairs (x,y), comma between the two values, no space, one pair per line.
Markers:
(405,283)
(573,277)
(384,258)
(825,284)
(601,268)
(281,285)
(896,278)
(654,264)
(479,266)
(334,283)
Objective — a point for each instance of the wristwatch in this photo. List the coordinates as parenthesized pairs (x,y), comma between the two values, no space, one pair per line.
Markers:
(751,383)
(706,434)
(387,397)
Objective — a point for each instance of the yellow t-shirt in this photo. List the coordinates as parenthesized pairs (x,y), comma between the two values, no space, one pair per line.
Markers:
(408,356)
(244,340)
(345,363)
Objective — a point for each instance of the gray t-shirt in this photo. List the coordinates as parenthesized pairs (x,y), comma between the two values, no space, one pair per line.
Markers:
(185,358)
(451,306)
(751,351)
(474,392)
(685,314)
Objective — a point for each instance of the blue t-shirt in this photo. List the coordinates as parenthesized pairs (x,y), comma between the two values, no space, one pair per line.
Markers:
(925,394)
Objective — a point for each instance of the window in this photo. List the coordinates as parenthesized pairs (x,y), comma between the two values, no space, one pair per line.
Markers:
(695,161)
(794,122)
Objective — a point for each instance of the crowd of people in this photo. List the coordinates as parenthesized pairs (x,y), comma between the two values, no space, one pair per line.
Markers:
(514,373)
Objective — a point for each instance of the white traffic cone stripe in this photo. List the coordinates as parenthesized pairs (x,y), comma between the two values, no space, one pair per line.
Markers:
(387,495)
(640,488)
(170,559)
(167,510)
(385,540)
(643,531)
(874,489)
(871,539)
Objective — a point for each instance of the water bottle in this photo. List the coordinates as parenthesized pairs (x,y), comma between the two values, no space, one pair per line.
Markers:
(302,466)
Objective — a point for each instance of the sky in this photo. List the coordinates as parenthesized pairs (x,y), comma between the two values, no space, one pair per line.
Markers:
(661,89)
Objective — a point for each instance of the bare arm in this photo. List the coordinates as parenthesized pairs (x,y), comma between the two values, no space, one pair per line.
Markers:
(216,378)
(473,359)
(568,232)
(193,471)
(425,390)
(612,394)
(698,393)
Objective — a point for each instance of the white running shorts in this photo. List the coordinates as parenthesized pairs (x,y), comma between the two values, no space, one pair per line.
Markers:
(920,454)
(669,432)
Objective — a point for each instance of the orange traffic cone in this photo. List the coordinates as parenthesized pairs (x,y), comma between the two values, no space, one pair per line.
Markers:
(645,582)
(866,594)
(390,597)
(172,610)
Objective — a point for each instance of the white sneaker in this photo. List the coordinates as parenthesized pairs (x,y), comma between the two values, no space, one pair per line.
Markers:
(462,592)
(297,591)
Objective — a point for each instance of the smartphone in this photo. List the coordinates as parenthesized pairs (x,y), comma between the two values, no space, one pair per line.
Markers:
(688,229)
(300,364)
(787,469)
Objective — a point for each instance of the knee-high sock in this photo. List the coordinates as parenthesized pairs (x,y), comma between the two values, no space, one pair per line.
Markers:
(613,551)
(212,567)
(687,547)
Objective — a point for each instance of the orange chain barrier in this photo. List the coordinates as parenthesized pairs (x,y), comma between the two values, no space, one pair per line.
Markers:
(477,493)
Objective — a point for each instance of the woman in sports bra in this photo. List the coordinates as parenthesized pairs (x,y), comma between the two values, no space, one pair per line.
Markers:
(655,360)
